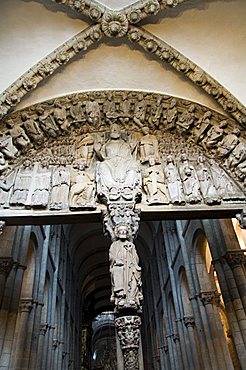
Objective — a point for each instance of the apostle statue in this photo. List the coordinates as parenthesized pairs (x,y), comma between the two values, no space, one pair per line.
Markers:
(125,271)
(82,191)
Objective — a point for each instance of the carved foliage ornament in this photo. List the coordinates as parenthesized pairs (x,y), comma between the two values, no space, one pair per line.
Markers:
(128,330)
(114,24)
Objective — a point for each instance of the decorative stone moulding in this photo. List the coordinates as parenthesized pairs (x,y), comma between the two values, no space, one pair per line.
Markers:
(118,24)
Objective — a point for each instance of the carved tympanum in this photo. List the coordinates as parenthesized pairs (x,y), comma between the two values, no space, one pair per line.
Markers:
(124,160)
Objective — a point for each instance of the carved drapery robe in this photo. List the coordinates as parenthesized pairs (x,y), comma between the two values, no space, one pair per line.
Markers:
(118,174)
(125,274)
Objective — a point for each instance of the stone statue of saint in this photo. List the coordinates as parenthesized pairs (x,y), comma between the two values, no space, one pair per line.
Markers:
(215,134)
(60,188)
(154,184)
(32,129)
(18,135)
(171,115)
(190,180)
(47,123)
(4,190)
(125,271)
(124,109)
(76,112)
(85,149)
(42,182)
(174,183)
(82,191)
(60,117)
(93,112)
(7,147)
(109,108)
(156,112)
(118,173)
(148,147)
(140,111)
(228,143)
(202,126)
(226,188)
(22,184)
(186,119)
(207,187)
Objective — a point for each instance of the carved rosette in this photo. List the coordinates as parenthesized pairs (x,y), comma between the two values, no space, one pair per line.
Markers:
(114,24)
(6,264)
(128,330)
(235,258)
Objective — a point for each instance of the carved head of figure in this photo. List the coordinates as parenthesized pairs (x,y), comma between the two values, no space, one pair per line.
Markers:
(223,123)
(200,159)
(169,159)
(10,123)
(191,108)
(2,159)
(145,130)
(122,231)
(184,157)
(24,116)
(208,114)
(115,131)
(39,110)
(172,103)
(236,131)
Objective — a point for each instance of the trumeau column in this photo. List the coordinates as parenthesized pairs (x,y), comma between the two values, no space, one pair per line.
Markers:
(119,187)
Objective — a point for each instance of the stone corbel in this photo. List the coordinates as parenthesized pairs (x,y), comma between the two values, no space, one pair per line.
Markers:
(44,328)
(26,305)
(189,321)
(6,264)
(207,297)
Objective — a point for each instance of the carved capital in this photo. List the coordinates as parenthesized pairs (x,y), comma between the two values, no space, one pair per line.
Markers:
(128,330)
(26,305)
(6,264)
(2,224)
(189,321)
(235,258)
(119,214)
